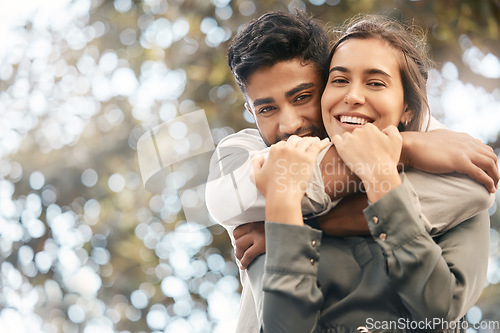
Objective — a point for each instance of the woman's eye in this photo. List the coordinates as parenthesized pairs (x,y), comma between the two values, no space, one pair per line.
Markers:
(376,84)
(339,81)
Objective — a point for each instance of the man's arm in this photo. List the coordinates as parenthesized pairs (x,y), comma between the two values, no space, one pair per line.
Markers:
(346,218)
(439,198)
(437,151)
(230,196)
(442,205)
(445,151)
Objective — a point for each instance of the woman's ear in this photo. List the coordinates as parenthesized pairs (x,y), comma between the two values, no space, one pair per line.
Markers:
(407,116)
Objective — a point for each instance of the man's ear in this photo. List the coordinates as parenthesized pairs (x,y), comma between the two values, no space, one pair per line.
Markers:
(250,110)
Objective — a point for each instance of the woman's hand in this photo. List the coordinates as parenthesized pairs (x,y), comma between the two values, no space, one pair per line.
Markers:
(283,177)
(373,155)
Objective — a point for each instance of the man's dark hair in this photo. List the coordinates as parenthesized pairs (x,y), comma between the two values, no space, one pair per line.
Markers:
(276,37)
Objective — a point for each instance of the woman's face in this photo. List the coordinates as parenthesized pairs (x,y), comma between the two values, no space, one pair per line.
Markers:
(364,85)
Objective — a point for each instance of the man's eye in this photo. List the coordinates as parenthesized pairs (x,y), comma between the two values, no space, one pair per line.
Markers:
(302,97)
(266,109)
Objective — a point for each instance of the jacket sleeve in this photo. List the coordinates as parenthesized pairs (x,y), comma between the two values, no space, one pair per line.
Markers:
(436,278)
(292,298)
(441,198)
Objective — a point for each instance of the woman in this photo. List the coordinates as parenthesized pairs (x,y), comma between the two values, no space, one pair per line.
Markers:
(400,278)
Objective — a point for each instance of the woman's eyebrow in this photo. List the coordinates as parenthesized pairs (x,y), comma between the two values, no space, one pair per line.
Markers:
(366,71)
(376,71)
(338,68)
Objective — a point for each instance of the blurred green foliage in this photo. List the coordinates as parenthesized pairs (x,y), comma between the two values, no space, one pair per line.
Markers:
(77,90)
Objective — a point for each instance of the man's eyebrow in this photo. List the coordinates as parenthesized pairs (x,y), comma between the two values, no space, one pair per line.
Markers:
(291,92)
(298,88)
(366,71)
(260,101)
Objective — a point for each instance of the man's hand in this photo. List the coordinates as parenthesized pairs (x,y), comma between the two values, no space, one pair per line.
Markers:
(445,151)
(250,242)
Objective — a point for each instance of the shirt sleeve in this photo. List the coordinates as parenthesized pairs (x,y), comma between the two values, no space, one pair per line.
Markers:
(441,198)
(292,297)
(436,278)
(230,195)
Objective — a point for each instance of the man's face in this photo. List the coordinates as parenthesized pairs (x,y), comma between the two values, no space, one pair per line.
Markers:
(285,99)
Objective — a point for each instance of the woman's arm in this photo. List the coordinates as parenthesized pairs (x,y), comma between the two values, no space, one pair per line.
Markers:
(436,278)
(292,298)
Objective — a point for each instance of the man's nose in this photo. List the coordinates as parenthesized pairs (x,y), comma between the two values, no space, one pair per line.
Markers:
(355,95)
(290,121)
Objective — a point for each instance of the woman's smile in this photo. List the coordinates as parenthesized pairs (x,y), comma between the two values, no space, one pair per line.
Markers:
(362,89)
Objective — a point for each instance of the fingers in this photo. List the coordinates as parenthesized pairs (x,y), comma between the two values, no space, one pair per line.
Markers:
(487,151)
(392,132)
(490,167)
(293,140)
(487,161)
(249,242)
(311,145)
(337,140)
(241,230)
(305,143)
(322,144)
(241,245)
(482,177)
(301,143)
(250,254)
(317,145)
(485,171)
(256,166)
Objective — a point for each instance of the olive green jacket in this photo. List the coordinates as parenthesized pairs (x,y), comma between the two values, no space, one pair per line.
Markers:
(399,276)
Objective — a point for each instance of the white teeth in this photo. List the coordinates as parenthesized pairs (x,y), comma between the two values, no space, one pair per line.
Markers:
(353,120)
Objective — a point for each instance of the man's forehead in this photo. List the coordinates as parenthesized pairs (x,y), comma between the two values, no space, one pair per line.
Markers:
(287,74)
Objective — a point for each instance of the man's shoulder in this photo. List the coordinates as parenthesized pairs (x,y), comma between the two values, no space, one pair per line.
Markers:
(433,124)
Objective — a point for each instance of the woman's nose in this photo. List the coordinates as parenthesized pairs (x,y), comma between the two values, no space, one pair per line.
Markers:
(354,96)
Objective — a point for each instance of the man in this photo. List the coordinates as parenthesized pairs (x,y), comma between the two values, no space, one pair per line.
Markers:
(280,62)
